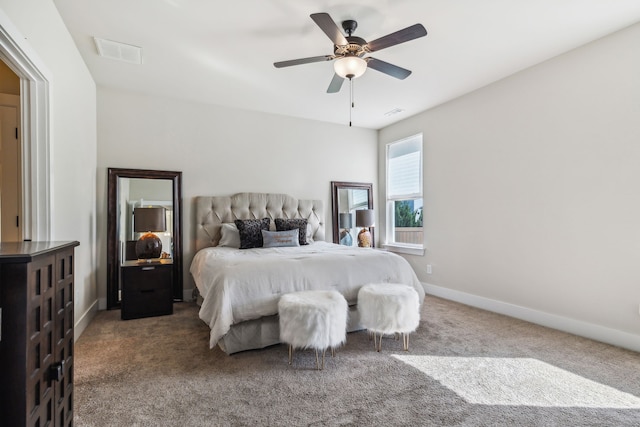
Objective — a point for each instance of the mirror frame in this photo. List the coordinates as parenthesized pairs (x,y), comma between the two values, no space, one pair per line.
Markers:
(344,185)
(113,264)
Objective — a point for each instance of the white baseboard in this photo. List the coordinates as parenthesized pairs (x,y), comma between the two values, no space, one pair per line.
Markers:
(572,326)
(84,320)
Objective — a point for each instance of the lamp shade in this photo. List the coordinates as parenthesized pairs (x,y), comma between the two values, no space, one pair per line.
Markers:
(345,220)
(149,219)
(365,218)
(350,67)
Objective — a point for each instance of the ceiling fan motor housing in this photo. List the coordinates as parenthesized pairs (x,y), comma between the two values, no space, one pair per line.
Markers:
(355,47)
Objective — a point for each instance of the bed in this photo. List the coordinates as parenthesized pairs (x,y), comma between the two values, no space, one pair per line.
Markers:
(240,288)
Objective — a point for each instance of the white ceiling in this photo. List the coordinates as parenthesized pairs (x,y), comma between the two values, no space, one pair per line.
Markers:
(222,52)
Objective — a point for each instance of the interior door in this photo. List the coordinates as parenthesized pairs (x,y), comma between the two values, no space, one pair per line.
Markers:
(10,171)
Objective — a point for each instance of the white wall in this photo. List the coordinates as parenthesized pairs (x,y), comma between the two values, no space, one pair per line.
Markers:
(221,151)
(73,140)
(532,192)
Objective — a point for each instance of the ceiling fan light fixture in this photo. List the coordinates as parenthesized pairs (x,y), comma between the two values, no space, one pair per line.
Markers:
(350,67)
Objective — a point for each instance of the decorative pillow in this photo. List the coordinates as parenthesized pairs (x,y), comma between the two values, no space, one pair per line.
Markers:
(230,236)
(284,224)
(251,232)
(276,239)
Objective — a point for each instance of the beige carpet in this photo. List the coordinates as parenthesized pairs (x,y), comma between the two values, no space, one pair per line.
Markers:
(465,367)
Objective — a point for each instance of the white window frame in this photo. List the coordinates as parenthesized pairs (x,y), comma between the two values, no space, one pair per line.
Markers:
(406,248)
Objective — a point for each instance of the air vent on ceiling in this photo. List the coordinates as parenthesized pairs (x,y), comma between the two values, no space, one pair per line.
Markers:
(119,51)
(394,112)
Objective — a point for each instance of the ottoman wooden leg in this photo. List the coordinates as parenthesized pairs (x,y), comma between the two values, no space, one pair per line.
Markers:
(405,342)
(377,341)
(318,366)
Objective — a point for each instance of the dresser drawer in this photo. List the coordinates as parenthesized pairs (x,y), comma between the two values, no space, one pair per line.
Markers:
(147,290)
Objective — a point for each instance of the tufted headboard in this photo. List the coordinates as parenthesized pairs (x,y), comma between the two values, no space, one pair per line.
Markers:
(211,212)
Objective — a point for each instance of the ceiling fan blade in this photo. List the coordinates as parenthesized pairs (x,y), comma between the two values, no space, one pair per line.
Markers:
(390,69)
(326,24)
(401,36)
(336,84)
(303,61)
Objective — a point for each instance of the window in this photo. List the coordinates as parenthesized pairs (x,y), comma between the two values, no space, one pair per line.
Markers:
(404,194)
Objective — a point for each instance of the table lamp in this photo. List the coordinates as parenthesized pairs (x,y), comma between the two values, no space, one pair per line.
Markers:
(344,221)
(365,218)
(149,220)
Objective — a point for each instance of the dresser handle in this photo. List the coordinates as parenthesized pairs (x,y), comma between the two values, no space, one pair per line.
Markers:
(56,371)
(148,268)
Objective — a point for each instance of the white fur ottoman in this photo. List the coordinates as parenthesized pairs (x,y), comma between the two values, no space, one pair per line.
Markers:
(389,308)
(313,319)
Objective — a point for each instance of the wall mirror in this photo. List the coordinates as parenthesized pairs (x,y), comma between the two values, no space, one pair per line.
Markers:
(346,199)
(127,190)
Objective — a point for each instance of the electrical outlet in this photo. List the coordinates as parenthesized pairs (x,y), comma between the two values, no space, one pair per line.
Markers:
(429,271)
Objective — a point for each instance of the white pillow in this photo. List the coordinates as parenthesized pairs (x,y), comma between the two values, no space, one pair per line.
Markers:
(230,235)
(309,233)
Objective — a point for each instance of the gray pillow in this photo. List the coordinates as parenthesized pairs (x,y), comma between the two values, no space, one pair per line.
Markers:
(276,239)
(251,232)
(284,224)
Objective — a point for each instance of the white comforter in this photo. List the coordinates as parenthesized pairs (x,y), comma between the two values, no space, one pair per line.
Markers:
(238,285)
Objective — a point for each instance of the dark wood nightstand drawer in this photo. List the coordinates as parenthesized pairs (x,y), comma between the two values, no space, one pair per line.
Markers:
(147,290)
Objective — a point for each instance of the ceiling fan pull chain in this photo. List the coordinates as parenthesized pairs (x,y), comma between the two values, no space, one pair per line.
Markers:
(350,99)
(353,104)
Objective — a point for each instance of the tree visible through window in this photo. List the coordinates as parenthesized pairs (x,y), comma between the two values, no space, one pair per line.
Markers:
(404,192)
(406,215)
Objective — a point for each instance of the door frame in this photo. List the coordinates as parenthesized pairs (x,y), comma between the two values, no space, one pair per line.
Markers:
(34,129)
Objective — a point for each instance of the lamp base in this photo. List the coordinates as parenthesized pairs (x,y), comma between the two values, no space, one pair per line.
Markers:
(148,246)
(364,238)
(345,238)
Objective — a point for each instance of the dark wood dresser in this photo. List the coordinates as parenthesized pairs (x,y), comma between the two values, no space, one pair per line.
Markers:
(36,341)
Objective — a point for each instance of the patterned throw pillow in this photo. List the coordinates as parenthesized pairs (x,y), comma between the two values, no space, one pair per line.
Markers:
(277,239)
(284,224)
(251,232)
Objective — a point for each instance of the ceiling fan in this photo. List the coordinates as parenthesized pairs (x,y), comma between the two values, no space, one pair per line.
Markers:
(349,51)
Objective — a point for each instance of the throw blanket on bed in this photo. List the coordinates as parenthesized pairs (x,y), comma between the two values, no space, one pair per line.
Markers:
(238,285)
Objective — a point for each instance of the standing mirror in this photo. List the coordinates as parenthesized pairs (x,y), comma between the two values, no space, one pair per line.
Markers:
(155,198)
(346,199)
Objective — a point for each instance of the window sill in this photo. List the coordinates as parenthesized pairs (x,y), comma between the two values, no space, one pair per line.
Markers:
(404,249)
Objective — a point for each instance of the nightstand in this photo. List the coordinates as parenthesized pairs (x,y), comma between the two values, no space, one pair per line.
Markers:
(146,289)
